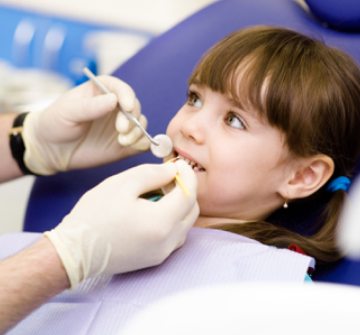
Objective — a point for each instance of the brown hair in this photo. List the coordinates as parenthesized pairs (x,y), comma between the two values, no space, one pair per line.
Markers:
(312,94)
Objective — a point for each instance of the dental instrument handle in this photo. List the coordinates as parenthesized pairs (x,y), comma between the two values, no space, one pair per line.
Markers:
(129,116)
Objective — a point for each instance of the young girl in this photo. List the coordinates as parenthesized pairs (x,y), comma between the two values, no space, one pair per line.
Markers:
(271,128)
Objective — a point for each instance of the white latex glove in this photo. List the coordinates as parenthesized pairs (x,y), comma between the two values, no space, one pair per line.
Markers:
(112,230)
(79,129)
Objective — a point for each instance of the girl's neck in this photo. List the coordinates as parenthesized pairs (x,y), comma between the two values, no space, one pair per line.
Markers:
(213,222)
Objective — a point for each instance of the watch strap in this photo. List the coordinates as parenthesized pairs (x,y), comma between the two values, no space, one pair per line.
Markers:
(17,145)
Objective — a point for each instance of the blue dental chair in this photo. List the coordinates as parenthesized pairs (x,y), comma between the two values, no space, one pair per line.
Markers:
(159,73)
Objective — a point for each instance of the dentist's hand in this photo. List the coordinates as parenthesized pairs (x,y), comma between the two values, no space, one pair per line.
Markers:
(83,128)
(113,230)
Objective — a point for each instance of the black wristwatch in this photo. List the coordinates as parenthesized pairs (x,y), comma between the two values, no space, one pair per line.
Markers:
(17,145)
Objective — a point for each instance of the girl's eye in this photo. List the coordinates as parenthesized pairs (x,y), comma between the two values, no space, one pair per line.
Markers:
(233,120)
(193,99)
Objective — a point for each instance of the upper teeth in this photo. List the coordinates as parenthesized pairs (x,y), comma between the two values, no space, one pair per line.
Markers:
(194,165)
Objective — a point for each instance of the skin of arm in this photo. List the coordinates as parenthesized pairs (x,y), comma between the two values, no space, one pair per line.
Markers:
(29,279)
(35,274)
(8,167)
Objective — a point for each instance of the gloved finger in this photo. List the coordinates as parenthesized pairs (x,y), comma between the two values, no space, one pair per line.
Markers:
(125,94)
(136,111)
(134,134)
(177,198)
(187,223)
(92,108)
(148,177)
(123,124)
(187,176)
(178,230)
(142,144)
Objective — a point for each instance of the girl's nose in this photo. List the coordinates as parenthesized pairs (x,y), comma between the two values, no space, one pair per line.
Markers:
(194,128)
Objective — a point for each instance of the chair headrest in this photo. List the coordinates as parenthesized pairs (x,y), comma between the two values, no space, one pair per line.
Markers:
(341,15)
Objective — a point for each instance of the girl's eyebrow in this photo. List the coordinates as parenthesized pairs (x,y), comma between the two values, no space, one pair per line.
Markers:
(240,105)
(236,104)
(195,81)
(250,112)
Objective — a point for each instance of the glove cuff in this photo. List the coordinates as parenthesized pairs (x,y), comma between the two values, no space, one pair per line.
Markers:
(36,155)
(72,269)
(83,253)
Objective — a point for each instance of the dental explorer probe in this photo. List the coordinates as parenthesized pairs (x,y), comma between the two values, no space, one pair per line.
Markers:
(160,145)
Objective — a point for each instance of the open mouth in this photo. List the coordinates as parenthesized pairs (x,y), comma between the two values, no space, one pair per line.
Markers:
(194,165)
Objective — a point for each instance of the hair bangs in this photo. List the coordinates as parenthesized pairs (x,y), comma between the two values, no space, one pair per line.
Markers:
(232,70)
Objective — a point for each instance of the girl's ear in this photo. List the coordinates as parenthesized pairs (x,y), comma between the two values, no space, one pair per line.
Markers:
(307,177)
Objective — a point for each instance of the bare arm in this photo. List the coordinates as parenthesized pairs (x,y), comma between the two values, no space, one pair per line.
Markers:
(27,280)
(8,167)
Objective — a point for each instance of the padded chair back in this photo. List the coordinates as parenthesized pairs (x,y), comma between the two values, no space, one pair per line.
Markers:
(159,74)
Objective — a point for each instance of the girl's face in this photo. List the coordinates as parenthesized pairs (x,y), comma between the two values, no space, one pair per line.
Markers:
(239,159)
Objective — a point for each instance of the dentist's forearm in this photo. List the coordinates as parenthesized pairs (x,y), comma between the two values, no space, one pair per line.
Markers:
(27,280)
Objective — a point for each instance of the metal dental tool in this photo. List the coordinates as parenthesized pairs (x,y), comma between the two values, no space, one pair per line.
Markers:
(161,145)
